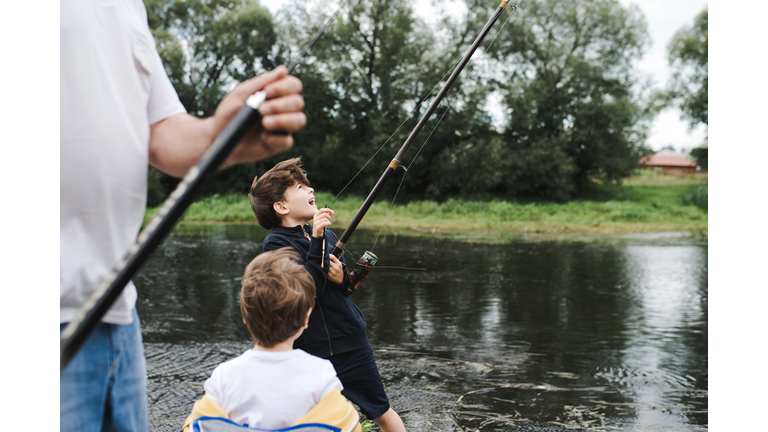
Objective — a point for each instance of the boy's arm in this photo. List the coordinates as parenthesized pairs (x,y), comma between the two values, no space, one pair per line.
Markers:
(342,287)
(345,281)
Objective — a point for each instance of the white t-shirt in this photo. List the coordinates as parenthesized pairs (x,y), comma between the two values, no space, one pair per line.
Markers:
(271,389)
(113,87)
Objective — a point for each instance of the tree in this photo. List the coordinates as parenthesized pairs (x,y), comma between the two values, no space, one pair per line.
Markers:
(569,89)
(564,70)
(367,76)
(699,154)
(688,57)
(208,46)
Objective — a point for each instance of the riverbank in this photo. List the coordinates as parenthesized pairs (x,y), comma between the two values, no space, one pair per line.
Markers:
(647,202)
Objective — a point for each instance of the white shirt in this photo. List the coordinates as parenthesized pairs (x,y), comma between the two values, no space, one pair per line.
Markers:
(271,389)
(113,87)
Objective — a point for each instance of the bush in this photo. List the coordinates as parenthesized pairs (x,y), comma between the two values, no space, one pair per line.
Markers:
(696,196)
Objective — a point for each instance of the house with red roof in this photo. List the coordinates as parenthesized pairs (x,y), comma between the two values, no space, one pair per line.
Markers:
(668,162)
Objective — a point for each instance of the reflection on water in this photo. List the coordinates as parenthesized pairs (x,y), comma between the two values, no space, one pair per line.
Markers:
(530,336)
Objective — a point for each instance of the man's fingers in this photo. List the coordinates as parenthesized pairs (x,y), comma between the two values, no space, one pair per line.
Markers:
(289,122)
(287,85)
(269,144)
(285,104)
(251,86)
(334,259)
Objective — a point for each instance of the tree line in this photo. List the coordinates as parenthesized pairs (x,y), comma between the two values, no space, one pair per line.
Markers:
(570,108)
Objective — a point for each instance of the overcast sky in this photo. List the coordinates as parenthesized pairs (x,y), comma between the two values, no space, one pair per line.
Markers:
(664,18)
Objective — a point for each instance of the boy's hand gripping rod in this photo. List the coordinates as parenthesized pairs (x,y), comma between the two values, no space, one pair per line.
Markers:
(79,329)
(339,248)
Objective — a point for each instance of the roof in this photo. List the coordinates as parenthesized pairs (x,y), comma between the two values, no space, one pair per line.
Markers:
(666,158)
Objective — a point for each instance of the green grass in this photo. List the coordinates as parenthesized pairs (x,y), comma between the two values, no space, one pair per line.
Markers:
(697,195)
(648,178)
(647,202)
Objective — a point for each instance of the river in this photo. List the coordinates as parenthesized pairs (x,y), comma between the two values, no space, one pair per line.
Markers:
(525,335)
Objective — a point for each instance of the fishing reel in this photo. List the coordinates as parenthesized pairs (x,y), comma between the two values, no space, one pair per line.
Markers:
(363,267)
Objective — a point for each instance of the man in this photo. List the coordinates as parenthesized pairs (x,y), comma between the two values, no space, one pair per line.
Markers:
(119,112)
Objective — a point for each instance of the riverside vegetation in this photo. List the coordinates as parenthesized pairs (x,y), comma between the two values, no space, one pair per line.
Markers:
(645,202)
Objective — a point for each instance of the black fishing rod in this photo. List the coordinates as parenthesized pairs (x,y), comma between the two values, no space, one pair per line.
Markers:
(80,329)
(369,259)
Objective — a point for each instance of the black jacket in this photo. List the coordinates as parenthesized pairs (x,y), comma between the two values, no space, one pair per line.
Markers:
(336,324)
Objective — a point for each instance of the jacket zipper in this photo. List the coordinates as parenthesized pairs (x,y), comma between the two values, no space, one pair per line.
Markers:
(327,333)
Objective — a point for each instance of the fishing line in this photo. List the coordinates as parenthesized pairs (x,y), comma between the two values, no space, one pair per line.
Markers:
(401,268)
(409,166)
(408,117)
(450,106)
(389,209)
(346,248)
(316,37)
(353,252)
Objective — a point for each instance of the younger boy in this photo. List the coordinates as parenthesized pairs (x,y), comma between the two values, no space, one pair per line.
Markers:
(283,202)
(274,386)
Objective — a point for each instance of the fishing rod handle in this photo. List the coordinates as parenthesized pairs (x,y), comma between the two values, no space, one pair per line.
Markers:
(79,329)
(338,249)
(89,315)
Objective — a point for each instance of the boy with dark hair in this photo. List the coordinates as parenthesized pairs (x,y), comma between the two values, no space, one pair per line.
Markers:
(283,202)
(274,386)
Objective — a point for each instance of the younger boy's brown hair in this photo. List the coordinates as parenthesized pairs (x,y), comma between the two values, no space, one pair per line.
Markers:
(277,292)
(270,188)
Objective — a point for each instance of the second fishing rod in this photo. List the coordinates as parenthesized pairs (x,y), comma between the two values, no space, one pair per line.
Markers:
(369,258)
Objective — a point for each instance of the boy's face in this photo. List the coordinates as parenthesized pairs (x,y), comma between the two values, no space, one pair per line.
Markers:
(299,200)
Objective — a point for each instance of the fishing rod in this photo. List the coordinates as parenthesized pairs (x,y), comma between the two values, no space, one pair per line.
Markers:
(82,326)
(366,263)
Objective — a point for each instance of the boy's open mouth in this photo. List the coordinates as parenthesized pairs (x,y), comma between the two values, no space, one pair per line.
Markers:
(312,201)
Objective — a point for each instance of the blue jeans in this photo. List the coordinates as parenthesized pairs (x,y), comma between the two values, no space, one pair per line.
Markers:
(104,387)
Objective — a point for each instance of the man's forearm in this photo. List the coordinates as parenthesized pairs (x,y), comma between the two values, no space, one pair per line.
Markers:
(178,142)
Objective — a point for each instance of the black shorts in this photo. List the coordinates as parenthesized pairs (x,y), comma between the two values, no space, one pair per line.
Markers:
(360,377)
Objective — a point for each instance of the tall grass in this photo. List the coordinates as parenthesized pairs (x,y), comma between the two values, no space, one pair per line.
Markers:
(645,205)
(697,196)
(609,216)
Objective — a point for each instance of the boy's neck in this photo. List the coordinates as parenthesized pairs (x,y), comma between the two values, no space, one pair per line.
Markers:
(286,345)
(290,222)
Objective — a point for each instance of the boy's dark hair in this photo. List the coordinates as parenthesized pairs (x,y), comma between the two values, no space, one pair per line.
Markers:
(270,188)
(277,291)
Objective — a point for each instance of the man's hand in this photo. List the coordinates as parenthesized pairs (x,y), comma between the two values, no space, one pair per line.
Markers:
(336,272)
(281,115)
(321,221)
(178,142)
